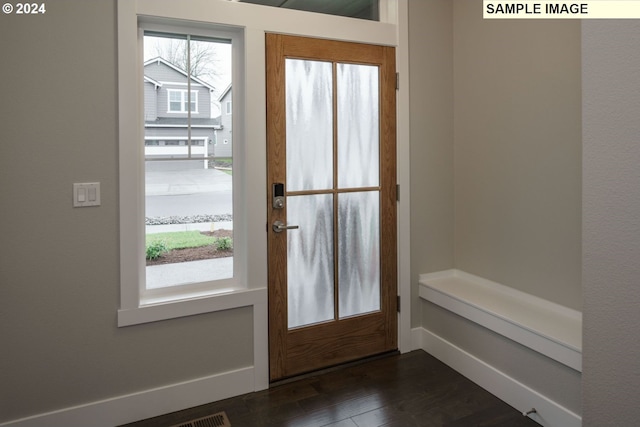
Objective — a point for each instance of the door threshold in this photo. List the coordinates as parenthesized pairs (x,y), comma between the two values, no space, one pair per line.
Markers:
(333,368)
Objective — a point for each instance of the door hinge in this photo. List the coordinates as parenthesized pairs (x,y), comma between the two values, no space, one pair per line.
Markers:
(397,81)
(398,303)
(398,192)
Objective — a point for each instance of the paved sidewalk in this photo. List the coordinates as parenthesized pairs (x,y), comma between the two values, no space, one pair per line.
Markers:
(163,275)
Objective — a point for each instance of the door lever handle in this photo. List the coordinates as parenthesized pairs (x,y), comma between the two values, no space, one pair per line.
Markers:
(280,226)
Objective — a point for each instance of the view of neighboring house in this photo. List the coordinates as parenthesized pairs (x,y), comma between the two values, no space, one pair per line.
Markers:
(166,107)
(224,144)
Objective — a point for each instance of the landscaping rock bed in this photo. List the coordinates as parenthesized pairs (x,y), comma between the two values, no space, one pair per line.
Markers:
(191,219)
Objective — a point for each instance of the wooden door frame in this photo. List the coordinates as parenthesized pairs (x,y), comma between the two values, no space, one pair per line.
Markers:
(345,52)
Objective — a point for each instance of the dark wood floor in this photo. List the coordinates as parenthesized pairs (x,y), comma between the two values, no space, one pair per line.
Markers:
(412,389)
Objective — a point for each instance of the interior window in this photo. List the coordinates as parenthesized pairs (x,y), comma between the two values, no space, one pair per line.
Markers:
(363,9)
(188,179)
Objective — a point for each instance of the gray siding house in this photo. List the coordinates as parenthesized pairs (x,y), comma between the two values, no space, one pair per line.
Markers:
(166,108)
(224,146)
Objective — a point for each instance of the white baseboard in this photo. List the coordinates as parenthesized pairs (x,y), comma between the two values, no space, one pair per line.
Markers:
(514,393)
(146,404)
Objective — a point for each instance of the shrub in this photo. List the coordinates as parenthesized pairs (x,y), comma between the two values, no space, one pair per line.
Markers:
(224,243)
(155,249)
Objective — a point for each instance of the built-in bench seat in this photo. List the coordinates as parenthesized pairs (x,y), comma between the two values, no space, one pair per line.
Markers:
(543,326)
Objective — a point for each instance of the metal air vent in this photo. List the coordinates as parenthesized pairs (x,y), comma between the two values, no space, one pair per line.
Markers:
(216,420)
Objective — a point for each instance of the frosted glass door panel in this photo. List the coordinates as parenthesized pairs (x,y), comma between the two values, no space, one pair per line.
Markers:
(358,253)
(310,277)
(358,126)
(309,124)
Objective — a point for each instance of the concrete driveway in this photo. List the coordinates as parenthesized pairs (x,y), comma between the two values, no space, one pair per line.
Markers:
(161,182)
(188,192)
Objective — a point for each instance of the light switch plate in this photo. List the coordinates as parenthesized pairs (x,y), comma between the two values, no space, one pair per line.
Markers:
(86,194)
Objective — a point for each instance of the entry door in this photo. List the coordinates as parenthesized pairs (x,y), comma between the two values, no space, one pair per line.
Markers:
(331,202)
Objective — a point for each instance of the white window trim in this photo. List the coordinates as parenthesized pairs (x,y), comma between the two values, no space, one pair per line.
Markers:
(193,84)
(228,107)
(139,305)
(172,294)
(183,100)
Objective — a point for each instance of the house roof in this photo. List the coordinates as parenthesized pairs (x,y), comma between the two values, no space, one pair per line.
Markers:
(224,92)
(163,61)
(152,81)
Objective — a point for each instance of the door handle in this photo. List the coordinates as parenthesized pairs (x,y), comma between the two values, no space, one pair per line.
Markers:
(280,226)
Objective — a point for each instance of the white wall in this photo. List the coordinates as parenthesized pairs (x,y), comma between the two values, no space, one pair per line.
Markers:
(59,266)
(611,211)
(517,139)
(431,108)
(496,148)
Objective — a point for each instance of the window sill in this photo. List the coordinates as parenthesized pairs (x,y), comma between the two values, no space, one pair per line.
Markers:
(159,310)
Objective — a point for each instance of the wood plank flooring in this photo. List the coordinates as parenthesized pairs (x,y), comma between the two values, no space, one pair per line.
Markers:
(413,389)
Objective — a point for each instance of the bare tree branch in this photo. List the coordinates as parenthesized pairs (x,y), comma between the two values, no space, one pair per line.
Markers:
(203,61)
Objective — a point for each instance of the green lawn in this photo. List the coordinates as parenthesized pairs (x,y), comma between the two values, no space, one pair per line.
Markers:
(224,162)
(181,239)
